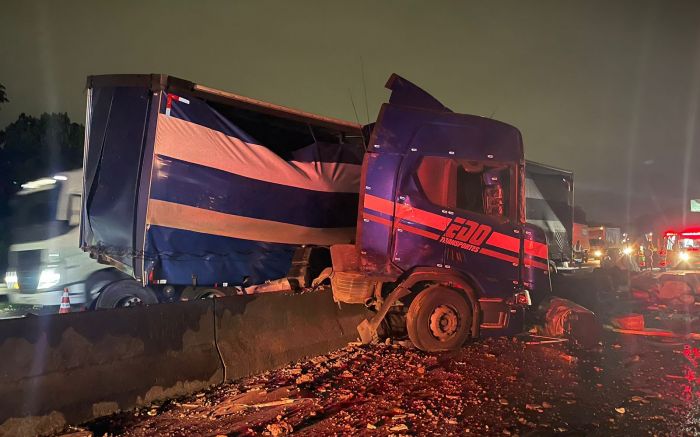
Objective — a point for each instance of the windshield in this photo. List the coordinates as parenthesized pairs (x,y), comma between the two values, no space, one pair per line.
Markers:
(33,216)
(597,243)
(689,243)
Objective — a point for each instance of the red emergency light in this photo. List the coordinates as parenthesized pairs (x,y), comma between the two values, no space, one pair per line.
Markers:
(691,233)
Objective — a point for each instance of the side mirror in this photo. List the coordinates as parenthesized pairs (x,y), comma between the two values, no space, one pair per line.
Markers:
(74,207)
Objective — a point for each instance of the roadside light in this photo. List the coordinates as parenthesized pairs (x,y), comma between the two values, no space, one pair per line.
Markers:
(598,253)
(11,280)
(48,278)
(627,250)
(684,256)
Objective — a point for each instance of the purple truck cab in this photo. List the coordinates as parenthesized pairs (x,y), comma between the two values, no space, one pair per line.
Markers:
(441,224)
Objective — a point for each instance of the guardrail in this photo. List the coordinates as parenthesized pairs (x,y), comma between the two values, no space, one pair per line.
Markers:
(65,369)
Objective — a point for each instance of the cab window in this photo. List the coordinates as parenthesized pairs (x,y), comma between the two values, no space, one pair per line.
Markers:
(467,185)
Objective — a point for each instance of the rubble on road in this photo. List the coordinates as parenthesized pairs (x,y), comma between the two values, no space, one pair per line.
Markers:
(494,387)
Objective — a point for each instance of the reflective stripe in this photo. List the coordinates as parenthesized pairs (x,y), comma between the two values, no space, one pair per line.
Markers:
(504,241)
(177,216)
(499,255)
(378,204)
(422,217)
(406,212)
(191,142)
(421,232)
(532,263)
(536,249)
(377,219)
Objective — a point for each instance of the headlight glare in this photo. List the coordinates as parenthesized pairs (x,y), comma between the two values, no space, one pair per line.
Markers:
(11,280)
(48,278)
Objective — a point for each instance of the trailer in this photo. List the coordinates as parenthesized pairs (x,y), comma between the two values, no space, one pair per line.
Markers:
(550,206)
(196,192)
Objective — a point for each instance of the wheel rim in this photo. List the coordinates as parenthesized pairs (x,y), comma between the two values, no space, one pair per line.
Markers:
(444,322)
(130,301)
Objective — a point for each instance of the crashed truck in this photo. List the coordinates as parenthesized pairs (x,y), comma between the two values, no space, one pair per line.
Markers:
(196,192)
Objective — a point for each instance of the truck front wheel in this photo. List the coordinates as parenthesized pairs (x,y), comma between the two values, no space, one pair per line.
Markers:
(125,293)
(439,319)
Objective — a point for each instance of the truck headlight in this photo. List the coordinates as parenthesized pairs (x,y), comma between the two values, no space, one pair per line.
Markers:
(684,256)
(597,253)
(48,278)
(11,280)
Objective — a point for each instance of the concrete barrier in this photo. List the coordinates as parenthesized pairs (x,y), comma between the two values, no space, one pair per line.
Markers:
(259,333)
(65,369)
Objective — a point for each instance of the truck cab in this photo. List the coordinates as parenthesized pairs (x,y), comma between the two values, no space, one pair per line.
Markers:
(44,257)
(441,223)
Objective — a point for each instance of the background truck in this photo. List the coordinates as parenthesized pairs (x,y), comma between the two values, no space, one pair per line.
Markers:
(604,239)
(195,192)
(550,206)
(43,257)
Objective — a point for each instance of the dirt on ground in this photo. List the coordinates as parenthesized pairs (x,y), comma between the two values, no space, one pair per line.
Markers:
(629,385)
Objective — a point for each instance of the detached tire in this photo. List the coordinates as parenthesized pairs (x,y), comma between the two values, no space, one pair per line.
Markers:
(439,319)
(125,293)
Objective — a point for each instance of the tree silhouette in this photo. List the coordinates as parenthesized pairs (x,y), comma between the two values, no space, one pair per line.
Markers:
(3,94)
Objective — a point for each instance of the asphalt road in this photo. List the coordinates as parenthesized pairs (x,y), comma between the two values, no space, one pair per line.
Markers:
(628,385)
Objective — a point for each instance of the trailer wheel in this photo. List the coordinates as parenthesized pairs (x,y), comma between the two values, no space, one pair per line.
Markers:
(194,293)
(125,293)
(439,319)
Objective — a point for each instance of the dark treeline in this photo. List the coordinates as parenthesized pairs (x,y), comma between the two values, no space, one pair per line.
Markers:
(31,148)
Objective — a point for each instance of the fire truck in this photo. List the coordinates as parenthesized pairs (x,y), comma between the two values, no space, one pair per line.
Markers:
(681,250)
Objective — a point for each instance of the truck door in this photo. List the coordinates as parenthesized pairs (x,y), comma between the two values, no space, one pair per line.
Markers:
(419,220)
(474,204)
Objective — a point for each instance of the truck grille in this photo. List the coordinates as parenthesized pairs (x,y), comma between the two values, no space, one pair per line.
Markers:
(28,267)
(28,281)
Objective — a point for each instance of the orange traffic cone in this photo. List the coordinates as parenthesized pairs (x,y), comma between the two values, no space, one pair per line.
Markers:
(65,302)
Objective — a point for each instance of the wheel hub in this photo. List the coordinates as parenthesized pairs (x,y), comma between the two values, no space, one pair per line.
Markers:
(131,301)
(444,322)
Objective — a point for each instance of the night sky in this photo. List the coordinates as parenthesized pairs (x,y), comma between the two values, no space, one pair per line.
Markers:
(608,89)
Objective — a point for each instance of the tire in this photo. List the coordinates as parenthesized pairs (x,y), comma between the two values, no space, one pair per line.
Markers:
(439,319)
(98,280)
(125,293)
(194,293)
